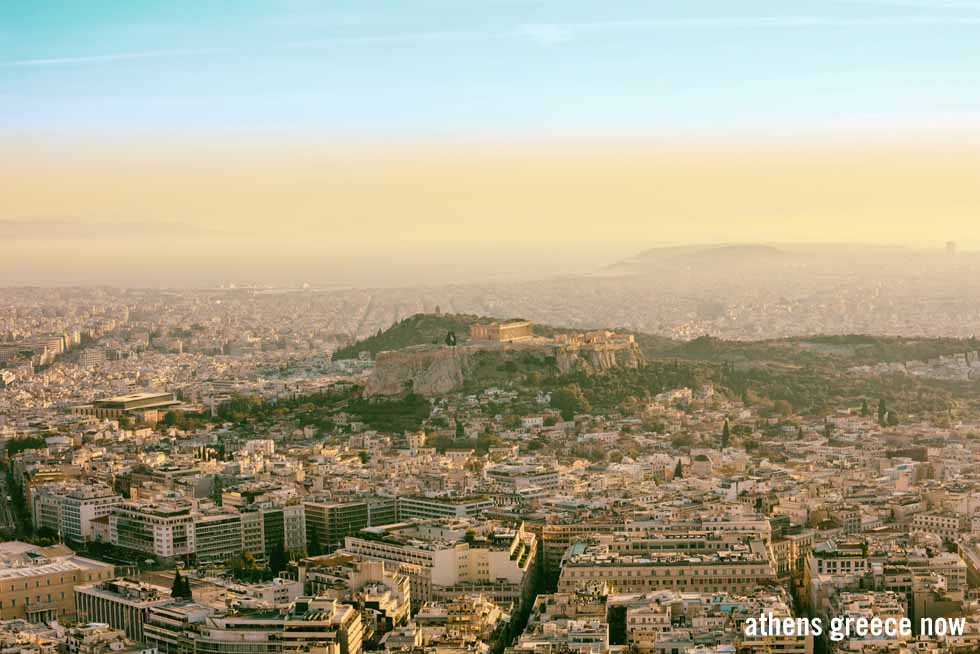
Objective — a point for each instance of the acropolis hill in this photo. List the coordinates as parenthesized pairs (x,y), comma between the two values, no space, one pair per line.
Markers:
(435,369)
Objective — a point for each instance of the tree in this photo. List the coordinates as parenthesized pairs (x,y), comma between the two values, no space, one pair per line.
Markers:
(460,429)
(892,419)
(570,400)
(678,471)
(315,548)
(882,411)
(177,590)
(278,561)
(512,421)
(181,588)
(616,619)
(725,435)
(865,410)
(16,445)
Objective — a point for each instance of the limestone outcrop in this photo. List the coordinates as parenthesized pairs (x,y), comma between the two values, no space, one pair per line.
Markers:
(433,370)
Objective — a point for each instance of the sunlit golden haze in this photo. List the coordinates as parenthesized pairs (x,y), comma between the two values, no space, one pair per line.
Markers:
(479,201)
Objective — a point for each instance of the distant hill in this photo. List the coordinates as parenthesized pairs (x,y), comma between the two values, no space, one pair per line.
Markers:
(733,251)
(738,251)
(420,329)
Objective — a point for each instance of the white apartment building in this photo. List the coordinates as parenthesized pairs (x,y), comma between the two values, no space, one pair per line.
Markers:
(444,559)
(162,529)
(70,509)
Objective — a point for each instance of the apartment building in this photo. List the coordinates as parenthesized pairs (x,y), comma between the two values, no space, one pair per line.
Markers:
(448,558)
(514,477)
(309,624)
(946,525)
(68,509)
(161,529)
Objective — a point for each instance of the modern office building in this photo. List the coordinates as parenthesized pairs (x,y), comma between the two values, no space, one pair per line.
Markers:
(161,529)
(328,523)
(120,603)
(68,509)
(410,508)
(113,407)
(217,536)
(267,528)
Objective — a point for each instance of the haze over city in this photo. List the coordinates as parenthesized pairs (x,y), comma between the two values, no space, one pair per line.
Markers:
(372,145)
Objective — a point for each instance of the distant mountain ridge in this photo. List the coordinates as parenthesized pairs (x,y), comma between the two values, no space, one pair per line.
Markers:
(734,250)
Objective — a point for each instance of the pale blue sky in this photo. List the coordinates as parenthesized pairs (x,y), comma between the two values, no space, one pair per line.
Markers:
(419,69)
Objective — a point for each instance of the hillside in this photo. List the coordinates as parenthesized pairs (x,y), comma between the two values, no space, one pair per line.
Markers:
(806,374)
(839,352)
(420,329)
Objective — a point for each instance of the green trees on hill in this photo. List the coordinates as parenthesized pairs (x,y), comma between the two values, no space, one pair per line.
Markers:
(16,445)
(420,329)
(570,400)
(404,414)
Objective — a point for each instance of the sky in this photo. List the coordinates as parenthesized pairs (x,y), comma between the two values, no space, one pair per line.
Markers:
(582,130)
(372,70)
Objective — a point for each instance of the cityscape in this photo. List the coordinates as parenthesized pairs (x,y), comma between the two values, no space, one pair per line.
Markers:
(499,327)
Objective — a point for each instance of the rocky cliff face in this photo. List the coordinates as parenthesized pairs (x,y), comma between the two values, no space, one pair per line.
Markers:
(424,370)
(435,370)
(595,358)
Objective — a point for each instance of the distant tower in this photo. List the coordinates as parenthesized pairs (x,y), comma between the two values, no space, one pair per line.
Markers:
(950,248)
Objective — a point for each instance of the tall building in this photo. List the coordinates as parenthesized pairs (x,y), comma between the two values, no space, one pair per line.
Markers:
(217,536)
(267,528)
(328,523)
(164,529)
(69,509)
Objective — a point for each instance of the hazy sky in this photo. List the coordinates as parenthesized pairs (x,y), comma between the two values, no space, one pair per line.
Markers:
(440,130)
